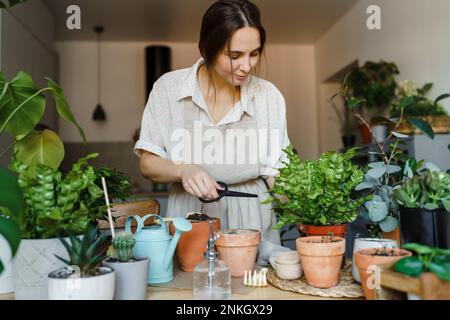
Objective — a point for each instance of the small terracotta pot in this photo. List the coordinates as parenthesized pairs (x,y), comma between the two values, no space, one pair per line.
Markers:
(364,259)
(393,235)
(193,244)
(238,248)
(338,231)
(321,262)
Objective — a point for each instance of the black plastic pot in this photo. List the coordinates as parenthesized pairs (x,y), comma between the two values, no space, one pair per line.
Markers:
(427,227)
(348,141)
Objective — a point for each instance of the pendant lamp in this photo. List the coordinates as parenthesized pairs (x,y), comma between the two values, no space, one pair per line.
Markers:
(99,114)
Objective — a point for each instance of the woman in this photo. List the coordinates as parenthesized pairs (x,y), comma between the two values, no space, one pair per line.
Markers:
(216,122)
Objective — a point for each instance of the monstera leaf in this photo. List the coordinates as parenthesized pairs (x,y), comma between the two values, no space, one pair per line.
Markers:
(43,147)
(11,210)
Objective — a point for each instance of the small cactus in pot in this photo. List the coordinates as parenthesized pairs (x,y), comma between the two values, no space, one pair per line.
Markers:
(123,245)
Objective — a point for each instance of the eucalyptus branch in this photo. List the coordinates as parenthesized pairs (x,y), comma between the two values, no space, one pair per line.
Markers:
(396,125)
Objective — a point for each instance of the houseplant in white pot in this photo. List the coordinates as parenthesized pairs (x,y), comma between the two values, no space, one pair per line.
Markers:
(131,272)
(84,278)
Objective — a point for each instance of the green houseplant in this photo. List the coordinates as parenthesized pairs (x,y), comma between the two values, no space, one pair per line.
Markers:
(319,193)
(424,202)
(83,278)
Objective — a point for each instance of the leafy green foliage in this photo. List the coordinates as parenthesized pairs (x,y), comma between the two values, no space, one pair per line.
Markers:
(428,259)
(58,204)
(430,191)
(318,192)
(374,83)
(88,253)
(123,245)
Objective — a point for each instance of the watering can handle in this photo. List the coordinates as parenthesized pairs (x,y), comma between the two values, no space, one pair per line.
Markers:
(141,221)
(128,223)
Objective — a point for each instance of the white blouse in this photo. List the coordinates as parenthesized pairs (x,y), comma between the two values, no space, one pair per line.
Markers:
(176,111)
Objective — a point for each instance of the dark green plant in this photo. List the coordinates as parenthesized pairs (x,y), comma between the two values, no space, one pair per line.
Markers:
(58,204)
(87,253)
(318,192)
(123,245)
(430,191)
(374,83)
(428,259)
(12,206)
(11,3)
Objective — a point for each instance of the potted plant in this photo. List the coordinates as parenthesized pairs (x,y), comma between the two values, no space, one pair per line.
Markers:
(193,244)
(367,261)
(238,248)
(83,278)
(320,194)
(321,259)
(131,272)
(424,210)
(375,84)
(426,260)
(421,107)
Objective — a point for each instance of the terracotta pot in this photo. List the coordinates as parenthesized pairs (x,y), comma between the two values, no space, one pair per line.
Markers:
(338,231)
(365,134)
(193,244)
(364,259)
(238,248)
(393,235)
(321,262)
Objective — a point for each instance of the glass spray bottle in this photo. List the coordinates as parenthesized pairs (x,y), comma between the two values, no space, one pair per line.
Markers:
(211,277)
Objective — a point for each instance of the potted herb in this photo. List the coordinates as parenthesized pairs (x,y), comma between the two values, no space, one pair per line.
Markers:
(421,107)
(367,260)
(321,259)
(131,272)
(320,194)
(424,211)
(83,278)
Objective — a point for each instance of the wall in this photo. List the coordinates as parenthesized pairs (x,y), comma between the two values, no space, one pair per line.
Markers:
(290,68)
(27,35)
(414,36)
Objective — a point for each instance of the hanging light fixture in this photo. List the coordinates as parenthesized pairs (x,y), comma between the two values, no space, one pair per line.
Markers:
(99,114)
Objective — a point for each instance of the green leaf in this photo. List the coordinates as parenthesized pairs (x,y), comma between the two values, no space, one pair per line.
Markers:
(441,97)
(364,185)
(411,266)
(400,135)
(405,102)
(44,147)
(353,102)
(19,113)
(422,125)
(63,107)
(377,172)
(376,164)
(431,206)
(419,248)
(388,224)
(377,211)
(441,270)
(11,195)
(393,169)
(11,232)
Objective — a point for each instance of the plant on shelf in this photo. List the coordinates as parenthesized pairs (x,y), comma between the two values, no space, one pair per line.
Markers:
(427,259)
(318,193)
(421,105)
(85,258)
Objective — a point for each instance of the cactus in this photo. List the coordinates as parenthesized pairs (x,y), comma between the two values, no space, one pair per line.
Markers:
(123,245)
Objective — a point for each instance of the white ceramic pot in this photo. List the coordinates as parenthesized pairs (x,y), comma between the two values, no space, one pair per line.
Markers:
(34,260)
(6,277)
(287,265)
(380,132)
(99,287)
(368,243)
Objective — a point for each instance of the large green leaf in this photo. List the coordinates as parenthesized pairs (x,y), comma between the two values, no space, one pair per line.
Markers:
(63,107)
(411,266)
(441,97)
(43,147)
(11,232)
(422,125)
(19,113)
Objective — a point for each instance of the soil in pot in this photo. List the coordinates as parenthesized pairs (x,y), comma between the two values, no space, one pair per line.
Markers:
(321,259)
(193,244)
(238,248)
(131,278)
(366,259)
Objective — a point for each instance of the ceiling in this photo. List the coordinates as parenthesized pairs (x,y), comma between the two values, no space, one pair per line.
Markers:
(285,21)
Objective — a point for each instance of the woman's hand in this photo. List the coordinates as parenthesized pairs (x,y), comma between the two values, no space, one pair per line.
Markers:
(198,182)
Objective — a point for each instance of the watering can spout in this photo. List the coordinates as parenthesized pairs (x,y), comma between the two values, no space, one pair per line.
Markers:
(181,225)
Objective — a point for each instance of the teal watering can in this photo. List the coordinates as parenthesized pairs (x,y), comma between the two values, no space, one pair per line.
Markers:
(157,244)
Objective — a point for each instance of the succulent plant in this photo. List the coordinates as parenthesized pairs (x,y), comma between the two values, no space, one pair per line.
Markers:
(430,191)
(123,245)
(87,253)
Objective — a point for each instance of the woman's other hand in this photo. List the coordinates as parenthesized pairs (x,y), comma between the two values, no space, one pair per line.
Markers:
(198,182)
